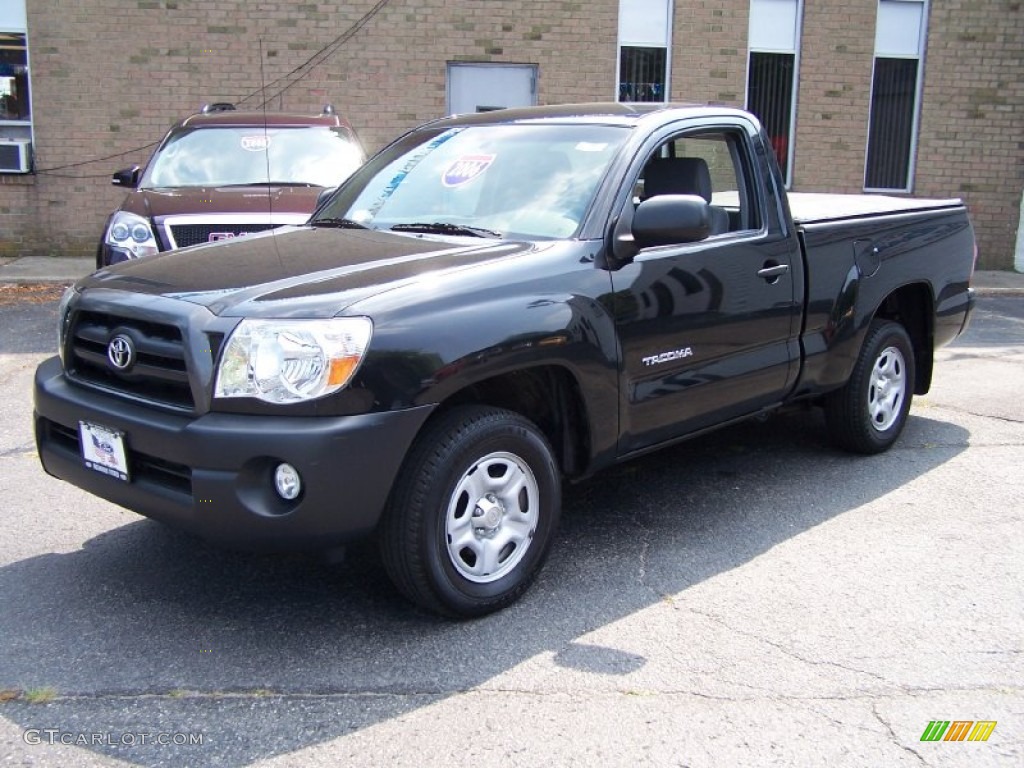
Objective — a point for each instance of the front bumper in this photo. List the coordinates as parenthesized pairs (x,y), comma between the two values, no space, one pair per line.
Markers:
(213,474)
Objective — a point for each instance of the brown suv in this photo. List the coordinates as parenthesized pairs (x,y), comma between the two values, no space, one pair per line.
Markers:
(223,173)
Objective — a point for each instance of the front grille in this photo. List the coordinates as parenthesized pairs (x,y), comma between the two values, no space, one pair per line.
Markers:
(159,373)
(143,467)
(193,234)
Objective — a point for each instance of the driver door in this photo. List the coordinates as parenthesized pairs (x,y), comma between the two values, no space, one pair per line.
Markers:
(705,336)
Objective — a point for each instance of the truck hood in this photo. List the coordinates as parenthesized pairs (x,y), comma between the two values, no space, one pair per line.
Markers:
(157,203)
(296,271)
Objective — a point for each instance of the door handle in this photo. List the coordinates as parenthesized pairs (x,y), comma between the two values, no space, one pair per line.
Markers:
(771,273)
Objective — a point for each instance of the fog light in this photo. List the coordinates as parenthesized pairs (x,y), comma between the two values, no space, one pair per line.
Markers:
(287,482)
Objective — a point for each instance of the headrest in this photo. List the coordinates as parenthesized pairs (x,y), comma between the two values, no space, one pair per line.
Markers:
(677,176)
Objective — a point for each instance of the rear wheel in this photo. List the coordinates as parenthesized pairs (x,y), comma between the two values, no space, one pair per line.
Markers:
(471,518)
(869,413)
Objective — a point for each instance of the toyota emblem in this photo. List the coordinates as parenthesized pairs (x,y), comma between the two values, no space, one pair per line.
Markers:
(121,352)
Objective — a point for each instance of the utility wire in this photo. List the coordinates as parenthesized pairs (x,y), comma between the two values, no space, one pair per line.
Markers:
(308,65)
(50,171)
(317,58)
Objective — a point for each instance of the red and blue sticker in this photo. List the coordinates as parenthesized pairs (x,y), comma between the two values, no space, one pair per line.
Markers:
(465,169)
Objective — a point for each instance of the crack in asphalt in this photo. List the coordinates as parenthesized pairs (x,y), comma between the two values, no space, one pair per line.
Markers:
(645,550)
(1005,419)
(25,450)
(893,737)
(793,654)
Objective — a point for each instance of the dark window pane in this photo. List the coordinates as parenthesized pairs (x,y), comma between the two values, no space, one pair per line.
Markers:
(770,97)
(642,74)
(891,130)
(14,101)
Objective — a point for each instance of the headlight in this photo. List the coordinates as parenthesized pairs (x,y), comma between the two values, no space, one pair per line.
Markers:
(131,233)
(63,317)
(288,361)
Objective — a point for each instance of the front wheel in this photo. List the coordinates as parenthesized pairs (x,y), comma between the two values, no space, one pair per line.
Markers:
(471,518)
(869,413)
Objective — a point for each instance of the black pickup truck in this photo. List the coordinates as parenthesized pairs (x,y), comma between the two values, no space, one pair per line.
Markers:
(493,305)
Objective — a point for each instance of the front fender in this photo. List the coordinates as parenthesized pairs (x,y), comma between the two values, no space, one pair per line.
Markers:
(429,359)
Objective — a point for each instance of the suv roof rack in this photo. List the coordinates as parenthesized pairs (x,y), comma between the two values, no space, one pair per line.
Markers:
(218,106)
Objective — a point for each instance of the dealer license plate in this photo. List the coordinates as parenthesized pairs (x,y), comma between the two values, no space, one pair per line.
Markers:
(103,450)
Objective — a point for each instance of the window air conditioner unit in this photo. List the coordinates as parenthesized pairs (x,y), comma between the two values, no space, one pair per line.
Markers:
(15,155)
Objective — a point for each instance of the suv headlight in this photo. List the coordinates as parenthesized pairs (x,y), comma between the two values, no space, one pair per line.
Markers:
(289,361)
(131,233)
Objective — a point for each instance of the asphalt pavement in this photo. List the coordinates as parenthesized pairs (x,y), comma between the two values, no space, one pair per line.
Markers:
(753,597)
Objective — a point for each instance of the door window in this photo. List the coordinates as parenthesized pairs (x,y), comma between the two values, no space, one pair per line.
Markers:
(712,165)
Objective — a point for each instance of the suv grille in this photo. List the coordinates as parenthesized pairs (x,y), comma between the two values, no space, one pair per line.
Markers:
(158,374)
(193,234)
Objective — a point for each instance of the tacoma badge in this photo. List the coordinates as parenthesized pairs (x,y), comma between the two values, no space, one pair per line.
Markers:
(667,357)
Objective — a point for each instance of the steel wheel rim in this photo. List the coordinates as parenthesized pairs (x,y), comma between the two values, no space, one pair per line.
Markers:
(887,388)
(492,516)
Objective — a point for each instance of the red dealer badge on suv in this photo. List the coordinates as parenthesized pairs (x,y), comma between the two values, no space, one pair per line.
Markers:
(222,174)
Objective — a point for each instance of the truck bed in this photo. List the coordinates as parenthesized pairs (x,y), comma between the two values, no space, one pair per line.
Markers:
(813,207)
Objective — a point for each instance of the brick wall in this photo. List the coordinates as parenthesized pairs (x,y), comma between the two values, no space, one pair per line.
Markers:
(110,76)
(836,54)
(971,141)
(709,57)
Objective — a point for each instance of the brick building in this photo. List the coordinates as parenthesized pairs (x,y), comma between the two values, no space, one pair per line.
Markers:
(924,97)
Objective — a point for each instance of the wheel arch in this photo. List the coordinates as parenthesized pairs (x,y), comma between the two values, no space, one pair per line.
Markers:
(550,396)
(913,307)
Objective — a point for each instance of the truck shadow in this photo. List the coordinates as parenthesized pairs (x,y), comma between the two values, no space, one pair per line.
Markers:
(146,626)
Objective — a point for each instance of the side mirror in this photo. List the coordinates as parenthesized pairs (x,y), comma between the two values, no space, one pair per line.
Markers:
(668,219)
(324,196)
(127,177)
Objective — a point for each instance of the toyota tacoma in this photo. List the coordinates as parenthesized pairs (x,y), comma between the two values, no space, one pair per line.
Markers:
(493,305)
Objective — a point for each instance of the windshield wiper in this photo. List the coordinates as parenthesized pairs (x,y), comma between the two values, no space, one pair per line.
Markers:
(442,228)
(339,223)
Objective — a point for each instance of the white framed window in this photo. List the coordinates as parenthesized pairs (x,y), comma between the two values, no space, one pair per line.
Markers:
(645,45)
(900,36)
(15,104)
(15,99)
(772,68)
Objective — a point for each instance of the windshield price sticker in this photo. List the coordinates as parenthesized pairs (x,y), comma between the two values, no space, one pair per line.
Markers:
(258,143)
(103,450)
(465,169)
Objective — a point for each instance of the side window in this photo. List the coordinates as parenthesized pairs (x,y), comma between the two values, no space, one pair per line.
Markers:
(711,165)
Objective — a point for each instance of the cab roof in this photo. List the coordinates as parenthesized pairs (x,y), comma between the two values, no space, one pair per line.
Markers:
(615,113)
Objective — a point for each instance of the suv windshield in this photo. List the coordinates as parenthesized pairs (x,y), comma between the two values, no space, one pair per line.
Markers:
(212,156)
(499,180)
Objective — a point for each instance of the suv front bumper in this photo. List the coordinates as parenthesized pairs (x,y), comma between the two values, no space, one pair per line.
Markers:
(213,474)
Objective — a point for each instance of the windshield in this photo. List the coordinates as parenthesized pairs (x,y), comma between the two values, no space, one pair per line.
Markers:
(214,157)
(531,181)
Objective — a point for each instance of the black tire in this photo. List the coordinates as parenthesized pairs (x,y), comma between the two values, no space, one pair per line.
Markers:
(869,413)
(440,533)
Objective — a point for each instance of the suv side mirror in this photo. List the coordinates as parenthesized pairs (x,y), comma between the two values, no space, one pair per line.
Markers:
(324,195)
(668,219)
(127,177)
